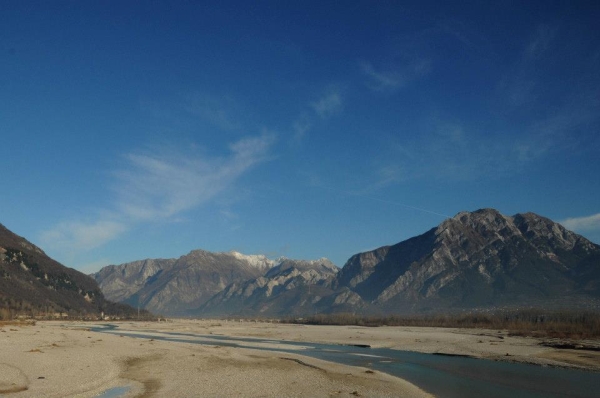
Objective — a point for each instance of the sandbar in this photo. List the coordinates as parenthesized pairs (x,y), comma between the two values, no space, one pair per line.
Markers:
(61,359)
(66,359)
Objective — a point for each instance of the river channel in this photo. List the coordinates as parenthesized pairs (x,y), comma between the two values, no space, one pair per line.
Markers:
(443,376)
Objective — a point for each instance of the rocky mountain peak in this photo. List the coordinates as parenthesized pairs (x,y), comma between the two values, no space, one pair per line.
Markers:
(483,221)
(485,214)
(291,286)
(476,258)
(543,231)
(256,260)
(322,266)
(176,285)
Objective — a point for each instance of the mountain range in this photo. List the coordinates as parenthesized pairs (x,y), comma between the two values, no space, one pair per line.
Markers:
(479,259)
(175,286)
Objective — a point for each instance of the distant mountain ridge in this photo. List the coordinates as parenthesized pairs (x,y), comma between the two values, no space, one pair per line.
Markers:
(33,284)
(290,287)
(175,286)
(479,259)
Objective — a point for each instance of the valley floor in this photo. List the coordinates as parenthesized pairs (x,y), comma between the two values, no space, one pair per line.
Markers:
(58,359)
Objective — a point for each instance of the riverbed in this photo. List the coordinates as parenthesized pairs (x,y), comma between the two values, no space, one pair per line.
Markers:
(441,374)
(251,359)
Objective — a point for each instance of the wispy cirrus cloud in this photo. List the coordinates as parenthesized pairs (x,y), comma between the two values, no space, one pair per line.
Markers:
(154,186)
(539,42)
(75,236)
(459,150)
(521,85)
(552,117)
(555,133)
(472,40)
(299,129)
(396,77)
(329,104)
(586,223)
(446,151)
(380,81)
(384,176)
(219,111)
(160,185)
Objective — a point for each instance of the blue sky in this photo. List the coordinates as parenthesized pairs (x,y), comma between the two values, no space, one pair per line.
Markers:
(136,130)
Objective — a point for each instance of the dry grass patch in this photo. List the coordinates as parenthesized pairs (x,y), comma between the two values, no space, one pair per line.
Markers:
(574,325)
(17,322)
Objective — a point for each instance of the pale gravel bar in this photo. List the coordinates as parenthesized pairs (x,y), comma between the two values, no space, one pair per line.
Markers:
(62,359)
(53,359)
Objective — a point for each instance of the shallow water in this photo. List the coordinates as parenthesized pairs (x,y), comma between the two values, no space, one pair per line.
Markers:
(443,376)
(114,392)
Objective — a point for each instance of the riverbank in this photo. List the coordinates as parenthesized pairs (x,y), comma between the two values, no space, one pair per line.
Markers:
(53,359)
(57,359)
(498,345)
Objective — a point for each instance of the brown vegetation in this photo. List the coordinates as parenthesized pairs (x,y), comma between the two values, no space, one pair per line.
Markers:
(19,309)
(17,322)
(572,325)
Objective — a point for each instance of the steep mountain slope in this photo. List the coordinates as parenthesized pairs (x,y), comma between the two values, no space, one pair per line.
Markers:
(175,286)
(479,259)
(120,282)
(292,287)
(31,283)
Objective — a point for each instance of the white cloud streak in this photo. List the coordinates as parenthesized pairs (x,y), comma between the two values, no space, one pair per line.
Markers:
(540,42)
(380,81)
(568,124)
(324,107)
(328,105)
(521,86)
(215,110)
(397,77)
(76,236)
(155,186)
(384,176)
(587,223)
(158,186)
(300,128)
(449,151)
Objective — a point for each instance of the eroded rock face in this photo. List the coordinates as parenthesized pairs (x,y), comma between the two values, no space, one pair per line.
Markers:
(122,281)
(360,267)
(174,286)
(290,287)
(479,259)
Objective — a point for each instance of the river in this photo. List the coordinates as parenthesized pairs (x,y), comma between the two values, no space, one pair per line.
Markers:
(441,375)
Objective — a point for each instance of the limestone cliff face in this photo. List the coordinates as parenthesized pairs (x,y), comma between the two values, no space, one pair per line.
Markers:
(479,259)
(120,282)
(291,287)
(174,286)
